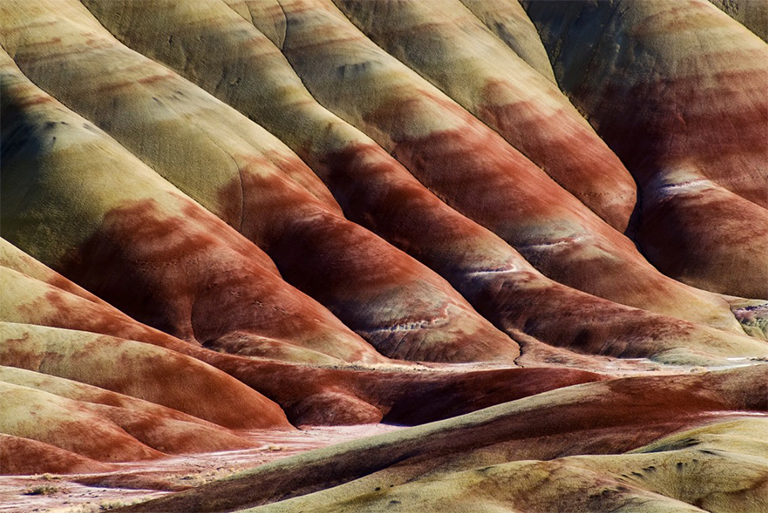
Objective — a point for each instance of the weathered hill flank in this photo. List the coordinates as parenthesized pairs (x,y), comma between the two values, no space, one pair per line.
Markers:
(228,215)
(682,102)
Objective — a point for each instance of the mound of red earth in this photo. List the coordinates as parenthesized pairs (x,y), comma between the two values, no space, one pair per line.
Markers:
(683,104)
(533,231)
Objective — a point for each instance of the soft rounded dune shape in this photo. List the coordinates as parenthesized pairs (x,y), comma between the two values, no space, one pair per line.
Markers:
(371,187)
(520,243)
(609,417)
(295,386)
(450,47)
(682,102)
(67,424)
(161,428)
(30,301)
(406,396)
(509,22)
(24,456)
(135,241)
(595,253)
(243,174)
(35,302)
(14,258)
(83,392)
(462,160)
(518,486)
(682,479)
(415,397)
(743,435)
(729,259)
(139,370)
(724,470)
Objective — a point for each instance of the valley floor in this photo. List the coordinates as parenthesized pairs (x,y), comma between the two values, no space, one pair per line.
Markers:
(142,480)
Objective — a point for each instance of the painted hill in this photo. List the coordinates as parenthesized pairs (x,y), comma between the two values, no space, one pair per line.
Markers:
(523,454)
(534,232)
(696,88)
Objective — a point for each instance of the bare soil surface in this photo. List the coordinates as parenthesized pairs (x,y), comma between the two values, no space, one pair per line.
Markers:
(134,482)
(139,481)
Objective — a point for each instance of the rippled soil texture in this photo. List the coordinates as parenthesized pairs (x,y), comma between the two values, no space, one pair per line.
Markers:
(384,255)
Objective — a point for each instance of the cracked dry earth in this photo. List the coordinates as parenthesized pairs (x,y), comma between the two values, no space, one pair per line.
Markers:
(383,255)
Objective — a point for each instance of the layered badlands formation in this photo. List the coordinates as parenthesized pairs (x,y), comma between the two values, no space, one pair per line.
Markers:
(536,231)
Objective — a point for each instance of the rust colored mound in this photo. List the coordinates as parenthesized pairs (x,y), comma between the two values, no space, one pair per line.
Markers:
(71,425)
(399,395)
(376,191)
(683,104)
(135,241)
(608,417)
(139,370)
(438,399)
(390,392)
(34,302)
(470,166)
(210,433)
(13,258)
(162,428)
(675,234)
(256,184)
(250,300)
(25,456)
(104,432)
(449,46)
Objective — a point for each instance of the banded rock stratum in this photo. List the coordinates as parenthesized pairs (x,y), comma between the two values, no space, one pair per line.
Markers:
(529,237)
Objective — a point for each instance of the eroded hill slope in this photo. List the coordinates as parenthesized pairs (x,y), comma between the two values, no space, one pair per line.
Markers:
(535,231)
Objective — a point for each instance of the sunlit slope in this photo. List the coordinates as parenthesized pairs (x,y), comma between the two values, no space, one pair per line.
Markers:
(508,20)
(530,234)
(722,474)
(163,429)
(469,165)
(138,370)
(246,176)
(371,187)
(682,102)
(753,14)
(607,418)
(451,48)
(13,258)
(136,241)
